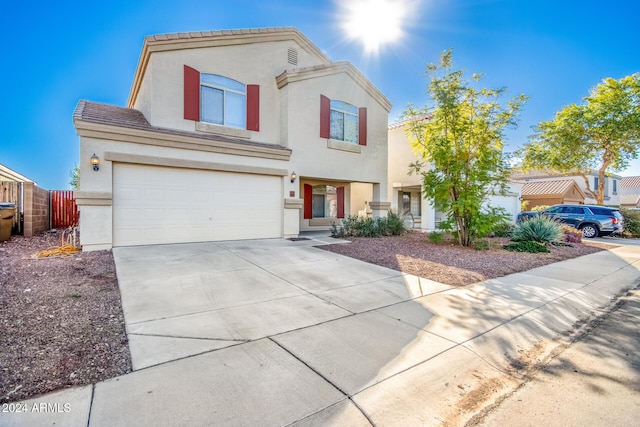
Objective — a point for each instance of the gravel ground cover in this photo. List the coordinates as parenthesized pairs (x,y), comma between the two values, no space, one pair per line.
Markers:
(61,321)
(450,263)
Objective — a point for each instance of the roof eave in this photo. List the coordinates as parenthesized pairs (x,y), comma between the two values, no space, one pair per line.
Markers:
(204,39)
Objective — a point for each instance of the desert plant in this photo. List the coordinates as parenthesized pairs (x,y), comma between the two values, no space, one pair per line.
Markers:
(436,237)
(354,226)
(571,234)
(393,224)
(538,229)
(527,246)
(503,230)
(631,222)
(481,245)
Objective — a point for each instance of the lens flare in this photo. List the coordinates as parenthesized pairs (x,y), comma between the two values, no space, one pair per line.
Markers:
(374,22)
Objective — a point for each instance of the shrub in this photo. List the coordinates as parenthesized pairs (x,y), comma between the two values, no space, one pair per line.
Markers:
(631,222)
(481,245)
(527,246)
(354,226)
(539,229)
(503,230)
(436,237)
(571,234)
(539,208)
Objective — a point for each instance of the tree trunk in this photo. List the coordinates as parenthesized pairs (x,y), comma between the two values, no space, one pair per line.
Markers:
(588,187)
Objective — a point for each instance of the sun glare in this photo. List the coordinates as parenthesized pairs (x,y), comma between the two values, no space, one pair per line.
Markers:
(374,22)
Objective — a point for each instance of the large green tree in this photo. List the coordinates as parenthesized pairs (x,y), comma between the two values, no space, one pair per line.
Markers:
(459,137)
(603,133)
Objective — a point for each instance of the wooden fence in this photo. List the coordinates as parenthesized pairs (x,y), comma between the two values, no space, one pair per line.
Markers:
(64,212)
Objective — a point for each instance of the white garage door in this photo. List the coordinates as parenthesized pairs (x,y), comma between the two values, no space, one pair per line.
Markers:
(153,205)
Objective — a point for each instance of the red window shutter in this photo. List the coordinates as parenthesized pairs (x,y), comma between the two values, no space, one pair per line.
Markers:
(191,94)
(325,117)
(308,201)
(340,196)
(253,107)
(362,126)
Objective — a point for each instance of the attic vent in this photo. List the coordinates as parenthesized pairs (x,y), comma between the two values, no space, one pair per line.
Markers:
(292,56)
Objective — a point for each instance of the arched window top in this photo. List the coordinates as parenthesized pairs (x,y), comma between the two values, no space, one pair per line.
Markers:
(222,82)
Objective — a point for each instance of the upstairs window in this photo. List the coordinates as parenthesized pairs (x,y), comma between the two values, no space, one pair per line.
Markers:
(223,101)
(220,100)
(344,122)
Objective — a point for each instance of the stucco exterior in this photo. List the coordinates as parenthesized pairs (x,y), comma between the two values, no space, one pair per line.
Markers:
(153,131)
(409,187)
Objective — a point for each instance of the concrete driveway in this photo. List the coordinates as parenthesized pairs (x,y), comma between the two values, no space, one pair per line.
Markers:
(275,332)
(182,300)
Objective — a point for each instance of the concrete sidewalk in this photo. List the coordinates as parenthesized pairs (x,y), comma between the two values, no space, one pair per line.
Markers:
(277,333)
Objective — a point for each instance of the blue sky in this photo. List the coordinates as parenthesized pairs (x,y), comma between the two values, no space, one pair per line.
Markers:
(57,53)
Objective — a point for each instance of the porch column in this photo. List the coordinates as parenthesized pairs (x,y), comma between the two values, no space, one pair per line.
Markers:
(379,207)
(428,215)
(291,226)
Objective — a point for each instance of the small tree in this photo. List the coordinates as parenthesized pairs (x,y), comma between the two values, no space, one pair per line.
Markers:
(602,134)
(459,138)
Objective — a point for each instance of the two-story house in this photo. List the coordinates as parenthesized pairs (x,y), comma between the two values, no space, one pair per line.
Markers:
(405,191)
(237,134)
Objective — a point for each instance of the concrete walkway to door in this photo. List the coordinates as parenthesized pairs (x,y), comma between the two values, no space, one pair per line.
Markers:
(276,332)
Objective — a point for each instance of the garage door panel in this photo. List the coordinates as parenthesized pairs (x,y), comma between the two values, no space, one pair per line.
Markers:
(170,205)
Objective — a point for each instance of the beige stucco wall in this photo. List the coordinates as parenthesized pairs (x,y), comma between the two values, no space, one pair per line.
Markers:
(161,96)
(289,116)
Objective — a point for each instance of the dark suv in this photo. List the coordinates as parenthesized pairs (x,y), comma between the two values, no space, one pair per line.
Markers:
(592,220)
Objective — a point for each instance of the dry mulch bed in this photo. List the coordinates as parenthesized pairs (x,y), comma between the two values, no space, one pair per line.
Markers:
(61,321)
(450,263)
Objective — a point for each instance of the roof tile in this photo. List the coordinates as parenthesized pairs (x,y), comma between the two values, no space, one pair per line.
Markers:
(134,119)
(547,187)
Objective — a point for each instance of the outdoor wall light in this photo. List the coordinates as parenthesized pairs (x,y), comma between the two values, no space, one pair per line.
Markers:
(95,161)
(293,177)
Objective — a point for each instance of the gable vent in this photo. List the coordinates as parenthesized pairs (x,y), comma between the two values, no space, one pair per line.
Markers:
(292,56)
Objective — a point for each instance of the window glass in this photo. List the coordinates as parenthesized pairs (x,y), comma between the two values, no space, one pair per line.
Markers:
(223,101)
(600,211)
(325,201)
(236,110)
(337,125)
(212,100)
(555,209)
(344,122)
(222,82)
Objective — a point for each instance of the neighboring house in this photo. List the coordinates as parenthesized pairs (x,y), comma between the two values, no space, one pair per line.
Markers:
(237,134)
(630,192)
(32,202)
(548,193)
(611,184)
(405,191)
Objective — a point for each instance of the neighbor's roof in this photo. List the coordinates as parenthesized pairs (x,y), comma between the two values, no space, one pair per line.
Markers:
(537,188)
(7,174)
(629,199)
(111,115)
(630,181)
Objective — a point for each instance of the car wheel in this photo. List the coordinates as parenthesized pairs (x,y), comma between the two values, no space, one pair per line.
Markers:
(589,231)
